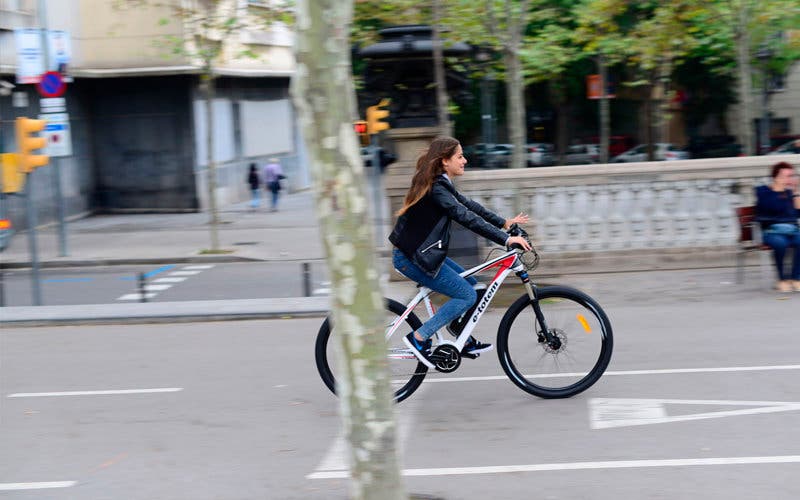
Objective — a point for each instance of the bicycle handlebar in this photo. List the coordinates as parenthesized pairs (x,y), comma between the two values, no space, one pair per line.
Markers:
(515,230)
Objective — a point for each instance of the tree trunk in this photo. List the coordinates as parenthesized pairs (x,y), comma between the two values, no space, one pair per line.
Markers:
(517,131)
(745,80)
(562,117)
(211,165)
(324,97)
(439,72)
(648,121)
(605,119)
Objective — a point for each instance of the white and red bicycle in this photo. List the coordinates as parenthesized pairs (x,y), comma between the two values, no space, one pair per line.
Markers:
(553,341)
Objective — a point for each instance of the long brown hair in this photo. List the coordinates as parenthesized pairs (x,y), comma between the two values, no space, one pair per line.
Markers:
(429,165)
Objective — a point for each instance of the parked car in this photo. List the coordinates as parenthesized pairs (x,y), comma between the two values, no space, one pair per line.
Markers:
(499,156)
(617,144)
(716,146)
(791,147)
(581,154)
(476,155)
(540,154)
(663,151)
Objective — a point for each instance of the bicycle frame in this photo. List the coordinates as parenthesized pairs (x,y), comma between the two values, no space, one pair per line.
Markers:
(506,263)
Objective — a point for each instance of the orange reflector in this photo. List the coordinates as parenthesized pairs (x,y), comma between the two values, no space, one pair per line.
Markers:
(5,224)
(584,323)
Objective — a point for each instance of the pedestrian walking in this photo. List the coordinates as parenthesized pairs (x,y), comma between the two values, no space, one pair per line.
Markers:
(421,238)
(255,183)
(777,210)
(273,174)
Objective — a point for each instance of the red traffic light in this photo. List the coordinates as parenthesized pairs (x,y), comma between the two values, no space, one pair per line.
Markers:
(360,127)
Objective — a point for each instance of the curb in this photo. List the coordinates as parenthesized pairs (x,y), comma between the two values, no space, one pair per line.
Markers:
(200,259)
(166,312)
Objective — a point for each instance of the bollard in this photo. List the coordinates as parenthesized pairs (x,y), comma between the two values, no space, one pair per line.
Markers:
(306,279)
(142,291)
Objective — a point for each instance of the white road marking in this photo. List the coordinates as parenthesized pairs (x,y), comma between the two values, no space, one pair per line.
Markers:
(169,280)
(605,413)
(613,464)
(205,266)
(336,458)
(93,393)
(36,486)
(156,288)
(321,291)
(136,296)
(184,273)
(628,372)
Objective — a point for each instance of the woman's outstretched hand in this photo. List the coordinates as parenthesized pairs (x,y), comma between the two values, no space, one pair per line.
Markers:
(521,218)
(519,240)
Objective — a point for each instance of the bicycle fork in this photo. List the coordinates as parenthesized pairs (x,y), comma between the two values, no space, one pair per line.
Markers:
(544,334)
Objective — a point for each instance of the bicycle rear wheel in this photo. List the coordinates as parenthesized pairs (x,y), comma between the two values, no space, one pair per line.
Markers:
(570,364)
(406,372)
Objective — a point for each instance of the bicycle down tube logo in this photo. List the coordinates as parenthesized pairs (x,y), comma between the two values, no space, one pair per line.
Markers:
(485,302)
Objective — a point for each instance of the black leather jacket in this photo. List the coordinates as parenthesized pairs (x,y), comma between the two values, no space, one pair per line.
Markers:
(422,233)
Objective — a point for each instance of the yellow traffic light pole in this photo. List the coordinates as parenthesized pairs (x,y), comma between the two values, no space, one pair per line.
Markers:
(27,161)
(375,124)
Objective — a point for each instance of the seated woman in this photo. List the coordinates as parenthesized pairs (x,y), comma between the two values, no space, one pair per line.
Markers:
(777,209)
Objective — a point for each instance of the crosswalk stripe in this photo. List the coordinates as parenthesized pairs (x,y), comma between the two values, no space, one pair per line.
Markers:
(136,296)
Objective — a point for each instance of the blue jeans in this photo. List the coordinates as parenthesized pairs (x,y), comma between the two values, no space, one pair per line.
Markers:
(447,282)
(254,198)
(779,243)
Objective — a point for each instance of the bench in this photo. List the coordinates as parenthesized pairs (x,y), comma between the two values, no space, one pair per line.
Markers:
(749,238)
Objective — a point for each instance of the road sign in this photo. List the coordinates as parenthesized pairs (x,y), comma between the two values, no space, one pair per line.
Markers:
(606,413)
(57,133)
(51,84)
(53,105)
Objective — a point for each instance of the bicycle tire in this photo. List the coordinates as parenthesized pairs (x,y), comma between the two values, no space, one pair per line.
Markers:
(532,364)
(417,373)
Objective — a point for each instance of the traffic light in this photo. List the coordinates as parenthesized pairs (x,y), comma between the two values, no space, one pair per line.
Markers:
(26,143)
(13,178)
(360,127)
(374,116)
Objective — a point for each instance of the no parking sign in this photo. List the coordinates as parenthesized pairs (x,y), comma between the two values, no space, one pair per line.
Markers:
(59,140)
(51,84)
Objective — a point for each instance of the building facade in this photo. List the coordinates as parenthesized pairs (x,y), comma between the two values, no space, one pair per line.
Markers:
(136,105)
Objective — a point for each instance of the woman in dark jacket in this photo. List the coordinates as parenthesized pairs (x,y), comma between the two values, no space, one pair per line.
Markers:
(777,209)
(421,238)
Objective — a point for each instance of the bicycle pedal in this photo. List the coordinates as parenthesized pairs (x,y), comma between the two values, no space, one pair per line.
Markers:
(469,355)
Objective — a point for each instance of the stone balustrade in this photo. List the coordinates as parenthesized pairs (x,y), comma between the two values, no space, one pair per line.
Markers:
(674,212)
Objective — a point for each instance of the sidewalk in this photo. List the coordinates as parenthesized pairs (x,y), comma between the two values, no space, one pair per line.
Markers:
(289,234)
(292,235)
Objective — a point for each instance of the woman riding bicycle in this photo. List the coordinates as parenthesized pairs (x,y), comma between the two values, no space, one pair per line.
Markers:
(422,236)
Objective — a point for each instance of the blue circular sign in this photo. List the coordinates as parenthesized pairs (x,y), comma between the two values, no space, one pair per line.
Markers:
(51,84)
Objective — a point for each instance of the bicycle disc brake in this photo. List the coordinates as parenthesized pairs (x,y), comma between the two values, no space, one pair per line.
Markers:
(446,358)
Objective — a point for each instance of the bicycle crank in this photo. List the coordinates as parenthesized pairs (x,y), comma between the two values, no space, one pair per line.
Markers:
(446,358)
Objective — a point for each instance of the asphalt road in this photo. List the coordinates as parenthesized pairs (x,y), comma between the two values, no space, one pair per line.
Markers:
(167,282)
(700,401)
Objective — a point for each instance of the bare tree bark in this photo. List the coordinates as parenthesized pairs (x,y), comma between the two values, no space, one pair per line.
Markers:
(324,97)
(211,164)
(439,72)
(515,85)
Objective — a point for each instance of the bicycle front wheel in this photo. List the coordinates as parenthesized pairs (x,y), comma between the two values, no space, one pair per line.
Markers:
(576,357)
(405,371)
